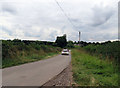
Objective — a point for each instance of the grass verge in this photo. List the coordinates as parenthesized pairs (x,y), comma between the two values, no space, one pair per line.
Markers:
(26,59)
(91,71)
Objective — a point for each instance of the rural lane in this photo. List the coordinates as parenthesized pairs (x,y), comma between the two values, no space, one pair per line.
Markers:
(35,73)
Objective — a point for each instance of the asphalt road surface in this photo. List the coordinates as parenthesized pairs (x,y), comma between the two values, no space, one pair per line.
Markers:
(35,73)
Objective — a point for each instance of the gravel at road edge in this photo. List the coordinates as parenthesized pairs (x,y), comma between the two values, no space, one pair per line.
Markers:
(62,79)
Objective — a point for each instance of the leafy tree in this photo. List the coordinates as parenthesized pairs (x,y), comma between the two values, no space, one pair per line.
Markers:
(83,43)
(61,41)
(75,42)
(70,44)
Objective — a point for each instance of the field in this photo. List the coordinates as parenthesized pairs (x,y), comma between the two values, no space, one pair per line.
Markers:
(18,52)
(89,70)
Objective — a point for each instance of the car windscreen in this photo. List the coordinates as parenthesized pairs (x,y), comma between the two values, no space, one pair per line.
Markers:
(65,50)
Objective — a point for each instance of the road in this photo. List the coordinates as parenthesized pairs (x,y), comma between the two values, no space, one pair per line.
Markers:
(35,73)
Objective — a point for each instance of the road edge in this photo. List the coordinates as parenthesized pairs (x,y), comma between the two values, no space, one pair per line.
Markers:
(52,82)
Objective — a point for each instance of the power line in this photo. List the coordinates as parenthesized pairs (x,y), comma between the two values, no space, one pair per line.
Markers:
(65,13)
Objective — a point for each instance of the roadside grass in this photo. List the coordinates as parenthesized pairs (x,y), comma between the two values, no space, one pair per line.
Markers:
(27,59)
(89,70)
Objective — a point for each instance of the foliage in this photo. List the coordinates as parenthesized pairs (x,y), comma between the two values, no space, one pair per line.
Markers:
(110,50)
(91,71)
(61,41)
(70,44)
(82,43)
(18,51)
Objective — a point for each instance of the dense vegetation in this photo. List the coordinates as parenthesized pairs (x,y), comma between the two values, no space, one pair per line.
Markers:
(61,41)
(70,44)
(89,70)
(106,50)
(17,51)
(96,64)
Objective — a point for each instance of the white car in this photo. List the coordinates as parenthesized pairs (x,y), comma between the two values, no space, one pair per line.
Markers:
(65,52)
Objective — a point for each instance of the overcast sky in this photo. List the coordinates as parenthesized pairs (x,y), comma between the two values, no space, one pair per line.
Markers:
(43,19)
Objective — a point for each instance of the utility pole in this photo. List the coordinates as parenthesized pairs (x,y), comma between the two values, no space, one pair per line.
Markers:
(79,37)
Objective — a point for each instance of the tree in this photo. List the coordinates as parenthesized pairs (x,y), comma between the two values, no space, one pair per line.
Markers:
(70,44)
(61,41)
(75,42)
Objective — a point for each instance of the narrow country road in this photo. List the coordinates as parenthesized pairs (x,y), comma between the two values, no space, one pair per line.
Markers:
(36,73)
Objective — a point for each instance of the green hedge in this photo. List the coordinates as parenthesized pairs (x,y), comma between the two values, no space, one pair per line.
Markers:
(110,50)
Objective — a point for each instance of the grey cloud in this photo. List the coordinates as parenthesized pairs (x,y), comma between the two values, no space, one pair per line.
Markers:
(110,37)
(119,35)
(6,7)
(31,35)
(101,15)
(37,14)
(52,35)
(75,20)
(8,31)
(98,36)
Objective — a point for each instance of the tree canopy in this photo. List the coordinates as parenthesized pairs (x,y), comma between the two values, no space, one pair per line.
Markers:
(61,41)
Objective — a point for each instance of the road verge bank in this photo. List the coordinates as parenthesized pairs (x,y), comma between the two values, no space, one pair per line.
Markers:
(91,71)
(27,59)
